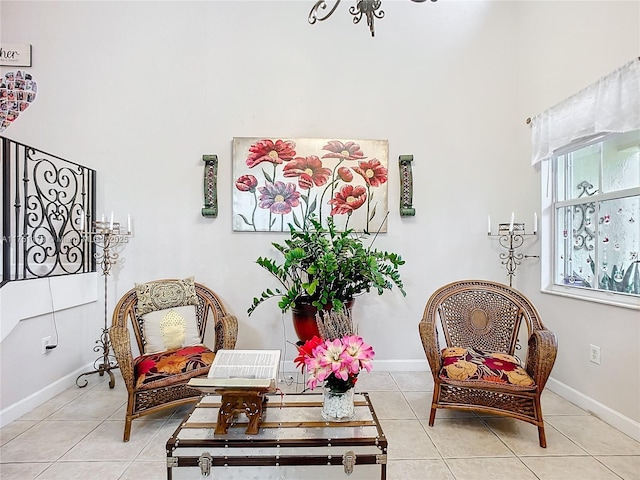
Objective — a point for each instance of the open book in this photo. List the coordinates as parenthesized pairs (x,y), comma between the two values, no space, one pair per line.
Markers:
(241,369)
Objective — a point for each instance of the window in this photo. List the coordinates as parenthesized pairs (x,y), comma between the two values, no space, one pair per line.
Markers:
(588,149)
(596,215)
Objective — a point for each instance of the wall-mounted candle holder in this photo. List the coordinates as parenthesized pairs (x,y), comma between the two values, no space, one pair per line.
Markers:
(511,237)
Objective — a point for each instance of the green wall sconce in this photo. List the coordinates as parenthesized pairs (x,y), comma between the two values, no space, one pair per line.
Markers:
(210,186)
(406,186)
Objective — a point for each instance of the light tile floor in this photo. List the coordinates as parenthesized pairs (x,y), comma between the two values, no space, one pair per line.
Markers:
(78,435)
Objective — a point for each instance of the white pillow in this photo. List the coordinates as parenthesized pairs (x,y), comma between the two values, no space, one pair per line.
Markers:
(170,329)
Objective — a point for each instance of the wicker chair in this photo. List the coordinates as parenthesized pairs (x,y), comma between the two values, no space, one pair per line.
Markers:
(142,399)
(480,321)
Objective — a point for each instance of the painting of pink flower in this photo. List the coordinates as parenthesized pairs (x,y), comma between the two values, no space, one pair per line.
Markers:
(372,171)
(278,197)
(269,151)
(344,151)
(309,171)
(348,199)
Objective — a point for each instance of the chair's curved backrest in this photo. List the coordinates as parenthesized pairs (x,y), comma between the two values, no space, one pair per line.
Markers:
(209,309)
(481,314)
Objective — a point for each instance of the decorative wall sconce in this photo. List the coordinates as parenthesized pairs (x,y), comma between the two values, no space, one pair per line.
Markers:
(370,9)
(511,237)
(107,236)
(406,186)
(210,186)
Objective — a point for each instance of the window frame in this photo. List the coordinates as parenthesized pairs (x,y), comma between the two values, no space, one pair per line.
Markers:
(549,241)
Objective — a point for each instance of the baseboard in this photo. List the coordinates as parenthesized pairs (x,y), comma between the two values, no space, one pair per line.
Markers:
(401,365)
(612,417)
(379,366)
(24,406)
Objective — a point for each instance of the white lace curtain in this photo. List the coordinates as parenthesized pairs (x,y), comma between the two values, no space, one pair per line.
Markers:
(610,105)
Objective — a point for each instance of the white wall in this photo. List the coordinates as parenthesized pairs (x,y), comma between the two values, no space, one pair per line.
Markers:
(140,90)
(565,46)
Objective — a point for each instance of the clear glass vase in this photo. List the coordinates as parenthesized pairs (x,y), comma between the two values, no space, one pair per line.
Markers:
(338,406)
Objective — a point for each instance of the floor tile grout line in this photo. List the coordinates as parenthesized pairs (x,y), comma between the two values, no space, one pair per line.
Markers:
(57,409)
(484,422)
(606,466)
(70,448)
(423,422)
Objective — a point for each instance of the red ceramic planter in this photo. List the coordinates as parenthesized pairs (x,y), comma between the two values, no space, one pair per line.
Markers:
(304,320)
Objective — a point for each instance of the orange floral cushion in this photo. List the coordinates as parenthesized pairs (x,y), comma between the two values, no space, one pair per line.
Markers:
(469,365)
(166,368)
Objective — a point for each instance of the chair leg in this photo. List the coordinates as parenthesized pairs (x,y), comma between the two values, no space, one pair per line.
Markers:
(127,429)
(542,437)
(434,401)
(432,416)
(538,407)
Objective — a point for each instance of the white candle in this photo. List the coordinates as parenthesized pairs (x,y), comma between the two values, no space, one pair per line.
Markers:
(513,216)
(81,220)
(535,222)
(102,219)
(111,222)
(488,224)
(128,224)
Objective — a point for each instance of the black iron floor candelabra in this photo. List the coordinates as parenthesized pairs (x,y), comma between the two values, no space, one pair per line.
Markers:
(511,237)
(107,237)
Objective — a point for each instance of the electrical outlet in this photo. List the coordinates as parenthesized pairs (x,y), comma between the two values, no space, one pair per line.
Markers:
(45,341)
(594,354)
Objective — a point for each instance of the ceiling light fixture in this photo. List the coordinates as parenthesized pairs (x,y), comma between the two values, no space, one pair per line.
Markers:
(370,9)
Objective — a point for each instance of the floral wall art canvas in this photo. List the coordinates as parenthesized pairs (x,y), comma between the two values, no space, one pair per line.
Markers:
(281,181)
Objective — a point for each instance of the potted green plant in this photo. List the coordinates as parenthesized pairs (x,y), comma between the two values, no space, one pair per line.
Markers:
(325,268)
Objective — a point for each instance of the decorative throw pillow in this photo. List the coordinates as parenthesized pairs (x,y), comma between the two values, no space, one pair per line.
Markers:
(165,294)
(170,329)
(158,370)
(469,365)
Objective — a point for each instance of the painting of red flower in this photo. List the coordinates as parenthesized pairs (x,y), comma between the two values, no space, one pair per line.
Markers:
(280,183)
(247,183)
(345,174)
(348,199)
(373,172)
(269,151)
(309,171)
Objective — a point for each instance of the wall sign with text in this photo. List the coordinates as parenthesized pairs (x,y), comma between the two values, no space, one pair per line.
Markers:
(15,54)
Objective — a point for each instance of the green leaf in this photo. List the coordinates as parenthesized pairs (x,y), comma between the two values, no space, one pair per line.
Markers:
(312,207)
(247,222)
(295,220)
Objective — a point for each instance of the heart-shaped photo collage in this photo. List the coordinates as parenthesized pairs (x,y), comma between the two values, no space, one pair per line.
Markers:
(17,91)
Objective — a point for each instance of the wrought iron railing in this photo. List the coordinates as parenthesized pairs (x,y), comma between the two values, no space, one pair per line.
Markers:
(46,203)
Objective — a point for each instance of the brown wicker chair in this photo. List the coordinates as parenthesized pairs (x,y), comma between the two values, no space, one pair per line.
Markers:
(482,316)
(144,400)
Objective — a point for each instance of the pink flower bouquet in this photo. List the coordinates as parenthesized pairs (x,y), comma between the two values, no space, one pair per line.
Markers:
(336,362)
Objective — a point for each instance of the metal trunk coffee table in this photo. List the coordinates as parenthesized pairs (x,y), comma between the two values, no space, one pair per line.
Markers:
(293,442)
